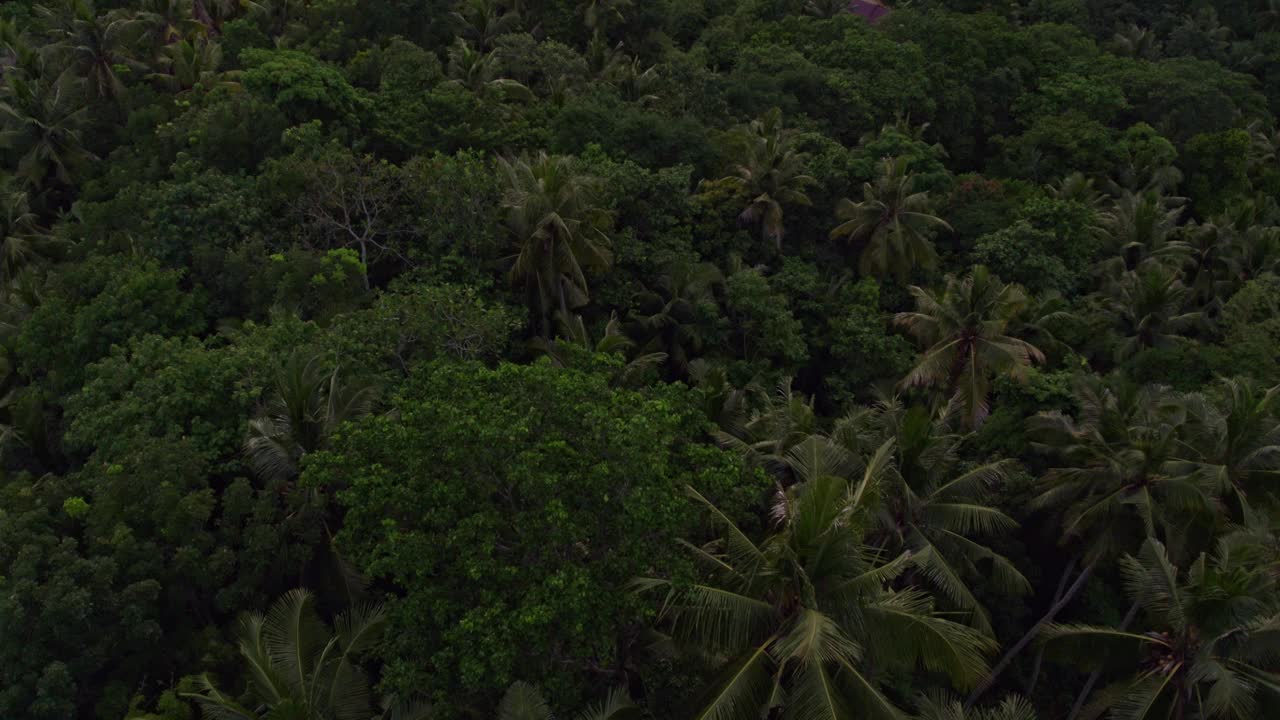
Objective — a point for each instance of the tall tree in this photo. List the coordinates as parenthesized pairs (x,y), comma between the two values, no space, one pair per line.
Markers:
(963,333)
(1150,310)
(1214,629)
(672,317)
(559,230)
(302,669)
(893,221)
(308,402)
(935,507)
(41,120)
(483,21)
(771,172)
(799,617)
(1111,478)
(92,45)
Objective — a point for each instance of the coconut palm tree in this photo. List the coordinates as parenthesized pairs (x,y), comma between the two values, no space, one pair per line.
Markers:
(190,62)
(483,21)
(937,707)
(300,668)
(1214,633)
(893,222)
(41,120)
(480,72)
(573,338)
(1230,441)
(1138,232)
(558,229)
(25,242)
(1112,479)
(523,701)
(672,317)
(933,506)
(765,432)
(963,333)
(92,45)
(1149,307)
(157,23)
(635,82)
(598,14)
(771,173)
(309,400)
(1136,42)
(1253,252)
(806,618)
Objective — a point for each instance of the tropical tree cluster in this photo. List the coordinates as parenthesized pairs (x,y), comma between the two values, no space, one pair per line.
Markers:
(639,359)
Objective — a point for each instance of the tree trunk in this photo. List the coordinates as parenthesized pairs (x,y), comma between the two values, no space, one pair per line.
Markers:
(1057,595)
(1029,636)
(1093,676)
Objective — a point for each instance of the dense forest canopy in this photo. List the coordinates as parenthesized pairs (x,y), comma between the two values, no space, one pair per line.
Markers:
(709,359)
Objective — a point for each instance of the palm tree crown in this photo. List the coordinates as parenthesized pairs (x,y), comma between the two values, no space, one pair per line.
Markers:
(963,331)
(558,229)
(801,618)
(893,222)
(1215,632)
(771,172)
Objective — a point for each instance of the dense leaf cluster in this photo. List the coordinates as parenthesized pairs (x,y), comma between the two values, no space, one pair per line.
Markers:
(721,359)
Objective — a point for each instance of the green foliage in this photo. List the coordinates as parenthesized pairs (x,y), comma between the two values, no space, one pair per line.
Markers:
(474,493)
(99,304)
(303,87)
(415,274)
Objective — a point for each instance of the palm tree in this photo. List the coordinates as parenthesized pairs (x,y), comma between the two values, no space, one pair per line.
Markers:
(522,701)
(484,21)
(190,62)
(1077,187)
(596,14)
(90,44)
(933,506)
(574,338)
(635,82)
(558,229)
(893,222)
(25,242)
(1138,232)
(41,119)
(765,432)
(943,708)
(1231,442)
(1149,308)
(1136,42)
(801,618)
(278,13)
(309,401)
(671,318)
(1214,633)
(1113,478)
(771,173)
(160,22)
(300,668)
(1208,263)
(479,72)
(963,333)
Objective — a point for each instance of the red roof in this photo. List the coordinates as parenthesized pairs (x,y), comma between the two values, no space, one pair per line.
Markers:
(869,9)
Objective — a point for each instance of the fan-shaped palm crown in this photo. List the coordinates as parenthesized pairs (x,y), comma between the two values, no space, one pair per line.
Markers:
(558,229)
(963,331)
(771,172)
(801,617)
(1213,639)
(893,222)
